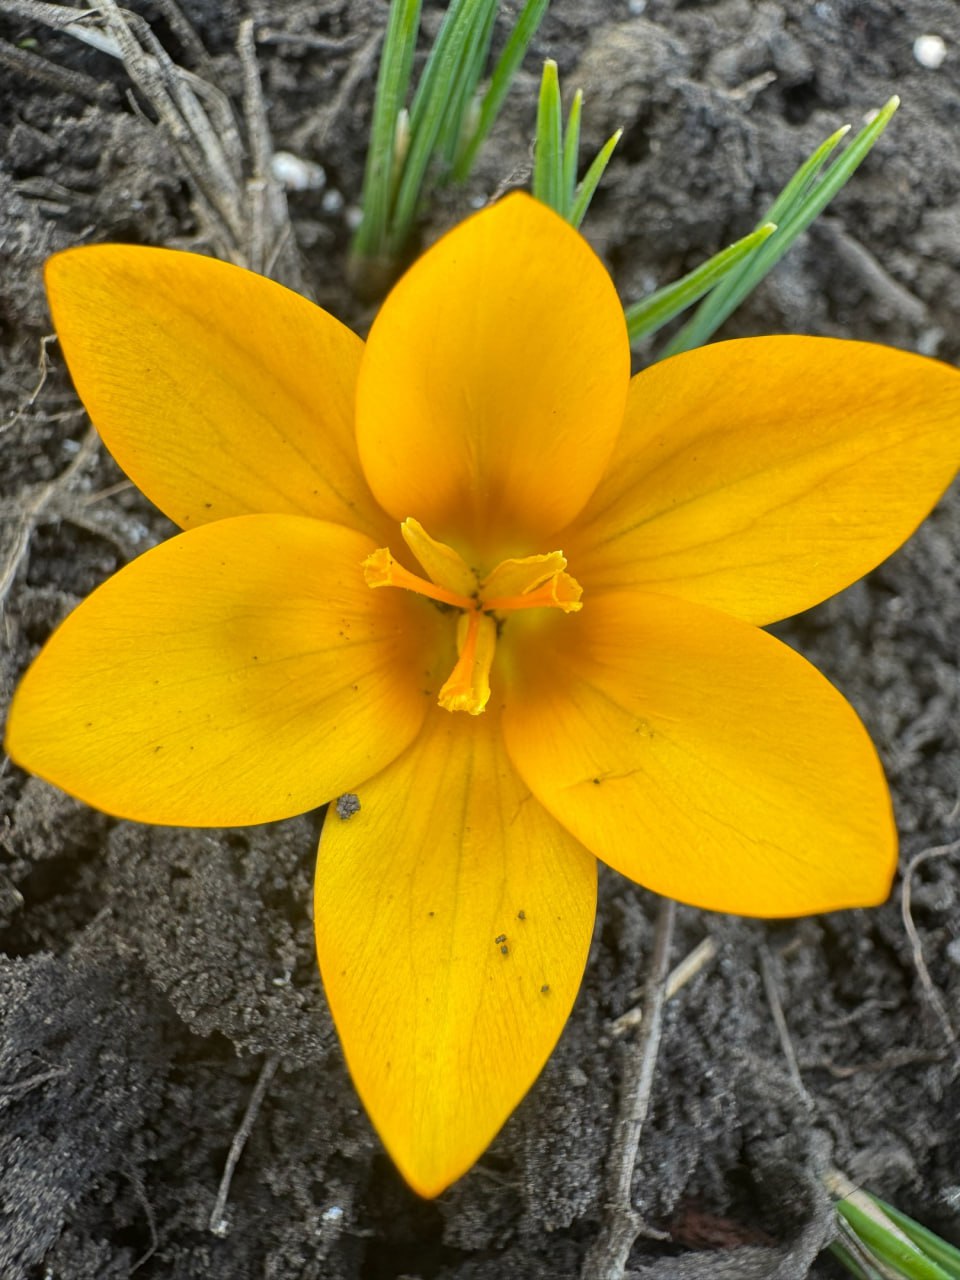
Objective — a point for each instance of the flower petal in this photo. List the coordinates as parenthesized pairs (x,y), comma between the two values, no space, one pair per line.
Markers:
(453,921)
(493,382)
(701,757)
(238,673)
(219,392)
(762,475)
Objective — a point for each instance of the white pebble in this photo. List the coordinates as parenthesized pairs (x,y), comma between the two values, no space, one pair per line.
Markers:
(333,1214)
(296,174)
(930,51)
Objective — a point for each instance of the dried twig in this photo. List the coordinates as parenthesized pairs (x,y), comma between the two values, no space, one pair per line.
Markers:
(933,995)
(783,1031)
(32,67)
(245,217)
(268,220)
(317,125)
(141,1193)
(219,1223)
(679,976)
(29,516)
(607,1259)
(43,368)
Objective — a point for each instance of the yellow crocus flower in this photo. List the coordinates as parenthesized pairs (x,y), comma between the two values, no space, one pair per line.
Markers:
(505,597)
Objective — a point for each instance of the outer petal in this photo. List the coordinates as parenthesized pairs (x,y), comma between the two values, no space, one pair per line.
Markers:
(238,673)
(453,922)
(762,475)
(220,393)
(701,757)
(493,382)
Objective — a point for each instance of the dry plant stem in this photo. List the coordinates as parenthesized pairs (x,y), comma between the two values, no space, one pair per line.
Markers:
(776,1008)
(43,368)
(170,91)
(317,125)
(608,1256)
(29,516)
(246,219)
(219,1223)
(32,67)
(931,992)
(182,28)
(680,975)
(140,1192)
(268,218)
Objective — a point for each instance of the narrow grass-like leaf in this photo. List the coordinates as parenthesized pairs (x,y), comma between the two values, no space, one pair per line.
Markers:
(393,81)
(816,199)
(463,90)
(441,62)
(571,152)
(591,179)
(787,202)
(936,1248)
(796,189)
(513,53)
(859,1269)
(889,1244)
(804,197)
(427,114)
(438,137)
(548,147)
(654,311)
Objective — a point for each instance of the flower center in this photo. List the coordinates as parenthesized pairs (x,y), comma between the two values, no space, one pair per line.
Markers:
(530,582)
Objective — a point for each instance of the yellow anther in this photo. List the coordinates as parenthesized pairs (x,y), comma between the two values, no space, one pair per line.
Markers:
(533,582)
(562,591)
(441,563)
(468,688)
(517,577)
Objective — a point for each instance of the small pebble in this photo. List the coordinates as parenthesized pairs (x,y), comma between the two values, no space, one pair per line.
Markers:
(296,174)
(930,51)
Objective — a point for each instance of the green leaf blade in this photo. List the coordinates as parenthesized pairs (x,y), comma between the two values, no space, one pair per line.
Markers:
(393,82)
(548,146)
(591,180)
(805,196)
(571,150)
(657,309)
(888,1244)
(509,62)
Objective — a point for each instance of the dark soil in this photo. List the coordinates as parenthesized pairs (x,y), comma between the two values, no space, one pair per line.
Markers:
(148,975)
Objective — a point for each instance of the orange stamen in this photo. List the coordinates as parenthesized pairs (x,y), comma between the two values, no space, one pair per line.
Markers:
(561,591)
(380,569)
(468,688)
(526,582)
